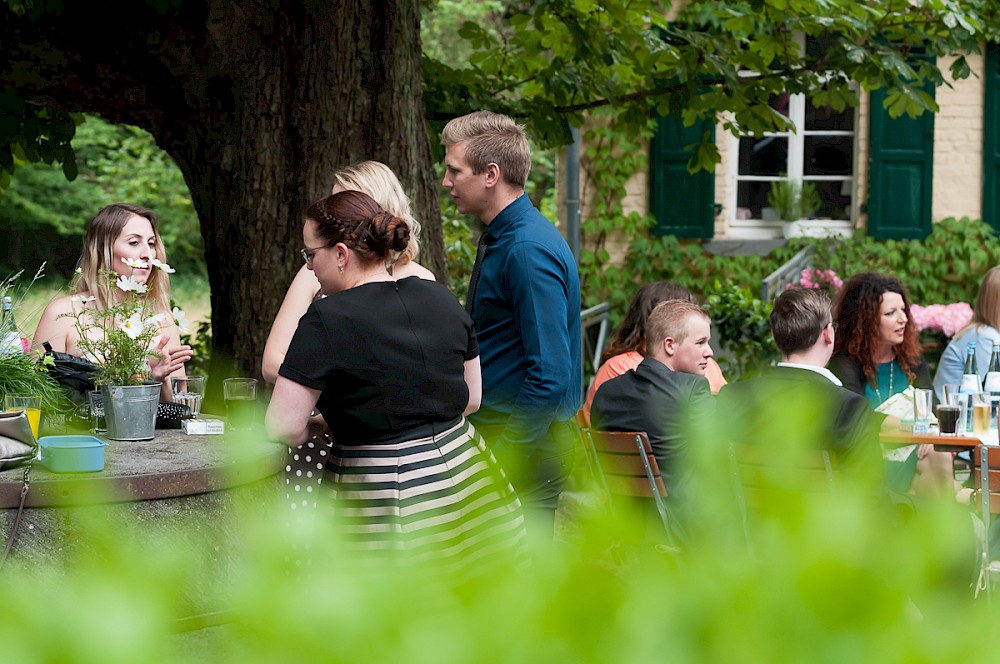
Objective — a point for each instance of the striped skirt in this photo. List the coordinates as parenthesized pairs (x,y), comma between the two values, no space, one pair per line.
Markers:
(441,498)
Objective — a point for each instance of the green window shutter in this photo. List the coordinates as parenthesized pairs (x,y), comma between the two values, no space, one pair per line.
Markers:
(682,203)
(991,138)
(901,174)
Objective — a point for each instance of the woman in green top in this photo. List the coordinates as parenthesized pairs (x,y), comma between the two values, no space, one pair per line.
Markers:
(877,354)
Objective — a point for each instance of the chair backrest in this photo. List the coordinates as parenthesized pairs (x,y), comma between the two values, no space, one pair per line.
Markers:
(987,479)
(763,473)
(624,465)
(778,482)
(627,461)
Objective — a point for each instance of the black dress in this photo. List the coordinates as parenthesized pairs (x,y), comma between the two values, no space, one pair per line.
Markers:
(407,471)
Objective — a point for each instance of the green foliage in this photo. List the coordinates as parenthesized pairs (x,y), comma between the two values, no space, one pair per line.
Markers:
(945,267)
(794,199)
(33,133)
(200,341)
(832,581)
(742,324)
(550,62)
(20,373)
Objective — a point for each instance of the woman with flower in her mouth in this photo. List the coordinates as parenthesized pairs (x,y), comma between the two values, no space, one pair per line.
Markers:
(877,354)
(122,239)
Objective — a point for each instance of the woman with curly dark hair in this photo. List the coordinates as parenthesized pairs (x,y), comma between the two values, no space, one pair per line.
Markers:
(626,350)
(877,354)
(877,349)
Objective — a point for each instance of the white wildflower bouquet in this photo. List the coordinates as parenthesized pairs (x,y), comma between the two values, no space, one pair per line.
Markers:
(119,337)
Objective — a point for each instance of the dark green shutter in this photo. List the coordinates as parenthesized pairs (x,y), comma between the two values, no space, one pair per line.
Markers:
(991,138)
(901,174)
(683,204)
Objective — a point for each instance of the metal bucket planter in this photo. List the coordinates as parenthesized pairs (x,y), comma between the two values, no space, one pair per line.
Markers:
(130,410)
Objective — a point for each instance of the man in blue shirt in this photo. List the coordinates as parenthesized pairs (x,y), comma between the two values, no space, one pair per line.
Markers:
(524,299)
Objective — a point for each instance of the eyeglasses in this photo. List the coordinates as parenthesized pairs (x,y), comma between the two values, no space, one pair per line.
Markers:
(309,254)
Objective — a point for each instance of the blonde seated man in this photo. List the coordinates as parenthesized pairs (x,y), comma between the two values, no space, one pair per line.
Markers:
(667,395)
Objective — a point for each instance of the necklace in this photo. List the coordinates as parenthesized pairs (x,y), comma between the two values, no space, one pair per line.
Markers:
(879,394)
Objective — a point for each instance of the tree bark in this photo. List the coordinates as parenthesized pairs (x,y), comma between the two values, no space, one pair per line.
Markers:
(258,103)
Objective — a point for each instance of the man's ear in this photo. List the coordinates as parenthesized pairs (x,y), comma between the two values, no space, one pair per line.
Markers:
(493,174)
(828,335)
(669,347)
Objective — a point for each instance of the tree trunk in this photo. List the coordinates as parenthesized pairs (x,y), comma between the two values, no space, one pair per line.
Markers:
(258,103)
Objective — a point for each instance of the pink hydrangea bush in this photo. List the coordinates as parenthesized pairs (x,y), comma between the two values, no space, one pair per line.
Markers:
(945,318)
(813,278)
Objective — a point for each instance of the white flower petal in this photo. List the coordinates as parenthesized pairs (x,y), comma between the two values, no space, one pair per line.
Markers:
(163,266)
(129,284)
(181,319)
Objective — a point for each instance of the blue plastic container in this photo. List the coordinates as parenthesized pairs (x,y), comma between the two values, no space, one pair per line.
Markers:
(72,454)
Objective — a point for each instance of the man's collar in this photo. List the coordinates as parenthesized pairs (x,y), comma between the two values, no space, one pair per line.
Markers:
(822,371)
(507,215)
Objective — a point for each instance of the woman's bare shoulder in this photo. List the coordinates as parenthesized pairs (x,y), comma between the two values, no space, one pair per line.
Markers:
(413,269)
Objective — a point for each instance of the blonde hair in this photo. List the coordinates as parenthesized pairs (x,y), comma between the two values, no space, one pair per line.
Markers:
(492,138)
(669,319)
(99,254)
(378,181)
(987,309)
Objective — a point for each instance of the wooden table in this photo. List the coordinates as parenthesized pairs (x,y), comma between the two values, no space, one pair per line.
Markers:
(892,437)
(176,487)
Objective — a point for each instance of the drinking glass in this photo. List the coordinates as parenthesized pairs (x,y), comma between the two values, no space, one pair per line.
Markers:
(30,404)
(97,421)
(948,418)
(953,396)
(189,391)
(980,412)
(241,398)
(921,410)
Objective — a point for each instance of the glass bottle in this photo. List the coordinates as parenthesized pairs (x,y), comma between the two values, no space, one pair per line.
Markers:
(10,336)
(970,374)
(970,385)
(992,382)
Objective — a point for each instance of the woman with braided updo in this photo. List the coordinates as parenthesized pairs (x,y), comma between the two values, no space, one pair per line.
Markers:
(393,367)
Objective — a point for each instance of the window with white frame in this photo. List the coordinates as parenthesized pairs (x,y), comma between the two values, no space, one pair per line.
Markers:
(821,151)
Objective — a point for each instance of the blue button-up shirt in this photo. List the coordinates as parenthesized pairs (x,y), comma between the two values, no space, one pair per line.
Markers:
(526,311)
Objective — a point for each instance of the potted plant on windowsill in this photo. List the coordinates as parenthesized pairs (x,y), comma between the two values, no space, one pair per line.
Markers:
(794,201)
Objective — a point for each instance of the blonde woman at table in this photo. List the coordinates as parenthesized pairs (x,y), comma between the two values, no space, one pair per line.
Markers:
(877,354)
(378,181)
(118,234)
(627,349)
(983,329)
(393,365)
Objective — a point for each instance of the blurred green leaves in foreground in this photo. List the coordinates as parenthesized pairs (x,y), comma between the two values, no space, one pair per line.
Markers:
(834,582)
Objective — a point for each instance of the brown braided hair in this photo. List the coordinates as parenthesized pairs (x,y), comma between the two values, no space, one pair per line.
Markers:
(355,219)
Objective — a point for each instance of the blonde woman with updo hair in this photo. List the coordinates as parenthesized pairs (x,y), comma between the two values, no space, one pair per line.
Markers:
(392,364)
(378,181)
(118,234)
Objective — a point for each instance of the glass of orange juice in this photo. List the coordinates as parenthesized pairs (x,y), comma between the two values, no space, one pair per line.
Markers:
(29,403)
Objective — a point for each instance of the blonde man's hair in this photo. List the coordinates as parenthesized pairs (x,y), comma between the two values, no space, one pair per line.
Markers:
(669,319)
(492,138)
(378,181)
(99,254)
